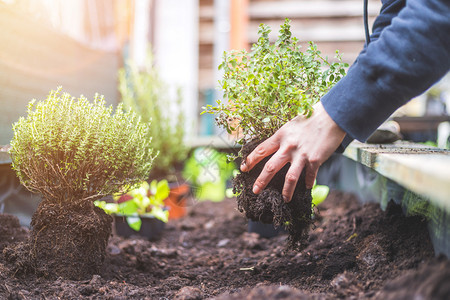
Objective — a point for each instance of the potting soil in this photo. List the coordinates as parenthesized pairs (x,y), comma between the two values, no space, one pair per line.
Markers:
(353,251)
(269,206)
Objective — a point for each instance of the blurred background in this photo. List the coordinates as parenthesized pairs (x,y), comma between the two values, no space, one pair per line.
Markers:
(162,56)
(81,44)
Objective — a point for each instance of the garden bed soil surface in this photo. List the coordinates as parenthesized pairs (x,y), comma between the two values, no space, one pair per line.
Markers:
(354,251)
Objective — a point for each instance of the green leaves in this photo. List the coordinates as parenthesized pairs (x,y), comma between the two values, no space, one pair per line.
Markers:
(71,149)
(144,200)
(319,193)
(272,84)
(207,170)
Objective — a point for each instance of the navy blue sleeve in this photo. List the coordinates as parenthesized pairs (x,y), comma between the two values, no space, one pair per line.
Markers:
(409,51)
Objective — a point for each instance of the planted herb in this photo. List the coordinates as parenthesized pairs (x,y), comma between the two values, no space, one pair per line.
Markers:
(272,84)
(263,90)
(73,152)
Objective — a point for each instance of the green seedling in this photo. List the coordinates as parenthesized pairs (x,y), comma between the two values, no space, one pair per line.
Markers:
(319,193)
(145,200)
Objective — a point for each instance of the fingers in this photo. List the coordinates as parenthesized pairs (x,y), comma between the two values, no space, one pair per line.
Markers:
(291,179)
(294,174)
(272,166)
(310,177)
(297,165)
(304,142)
(263,150)
(311,172)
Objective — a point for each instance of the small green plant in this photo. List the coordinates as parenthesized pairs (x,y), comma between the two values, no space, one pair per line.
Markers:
(319,193)
(208,170)
(73,150)
(272,84)
(143,91)
(145,200)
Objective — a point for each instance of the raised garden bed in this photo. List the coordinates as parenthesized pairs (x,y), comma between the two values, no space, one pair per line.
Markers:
(354,251)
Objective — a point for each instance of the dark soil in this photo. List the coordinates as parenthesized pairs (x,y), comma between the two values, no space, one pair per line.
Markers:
(269,207)
(66,240)
(10,231)
(354,251)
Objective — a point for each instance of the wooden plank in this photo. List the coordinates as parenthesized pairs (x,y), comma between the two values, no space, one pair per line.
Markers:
(418,168)
(425,123)
(206,13)
(346,30)
(239,20)
(310,9)
(206,79)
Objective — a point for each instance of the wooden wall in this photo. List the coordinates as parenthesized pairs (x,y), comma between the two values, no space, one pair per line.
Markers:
(332,24)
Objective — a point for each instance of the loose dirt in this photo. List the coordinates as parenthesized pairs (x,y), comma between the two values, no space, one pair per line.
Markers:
(268,206)
(353,251)
(65,240)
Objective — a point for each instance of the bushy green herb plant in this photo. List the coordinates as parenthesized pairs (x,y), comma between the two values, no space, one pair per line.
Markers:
(144,200)
(272,84)
(143,91)
(73,150)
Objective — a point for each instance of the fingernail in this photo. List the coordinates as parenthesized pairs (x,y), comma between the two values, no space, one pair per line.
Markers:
(256,189)
(286,199)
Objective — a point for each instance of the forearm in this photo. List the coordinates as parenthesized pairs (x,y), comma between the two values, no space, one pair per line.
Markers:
(408,57)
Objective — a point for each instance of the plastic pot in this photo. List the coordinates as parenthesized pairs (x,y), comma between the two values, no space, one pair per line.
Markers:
(177,200)
(151,227)
(264,230)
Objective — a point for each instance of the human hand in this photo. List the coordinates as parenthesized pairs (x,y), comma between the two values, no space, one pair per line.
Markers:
(304,142)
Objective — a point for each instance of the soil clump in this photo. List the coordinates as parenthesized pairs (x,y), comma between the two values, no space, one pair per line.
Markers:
(269,207)
(66,241)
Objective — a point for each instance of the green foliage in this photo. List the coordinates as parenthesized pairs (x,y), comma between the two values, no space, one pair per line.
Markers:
(144,200)
(208,170)
(143,91)
(319,193)
(272,84)
(71,149)
(429,144)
